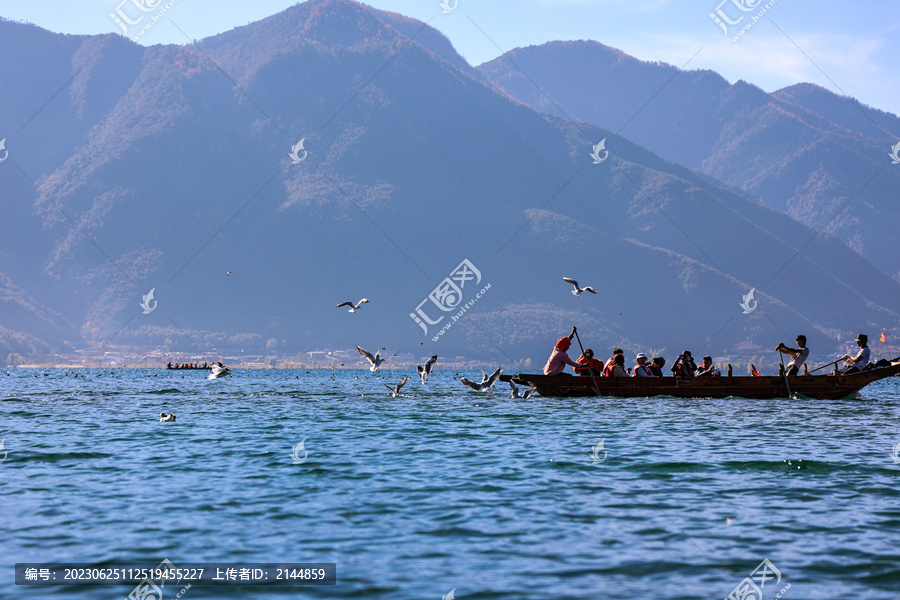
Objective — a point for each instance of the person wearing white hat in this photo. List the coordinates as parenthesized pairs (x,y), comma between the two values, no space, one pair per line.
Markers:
(640,369)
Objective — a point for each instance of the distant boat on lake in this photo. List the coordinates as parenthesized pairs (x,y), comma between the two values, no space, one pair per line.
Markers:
(188,367)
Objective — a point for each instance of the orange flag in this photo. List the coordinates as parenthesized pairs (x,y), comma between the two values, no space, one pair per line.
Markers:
(883,339)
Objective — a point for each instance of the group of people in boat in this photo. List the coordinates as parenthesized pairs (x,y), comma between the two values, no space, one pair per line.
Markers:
(169,365)
(684,365)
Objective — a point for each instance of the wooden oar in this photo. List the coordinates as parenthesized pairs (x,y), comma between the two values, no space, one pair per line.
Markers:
(587,361)
(787,385)
(834,362)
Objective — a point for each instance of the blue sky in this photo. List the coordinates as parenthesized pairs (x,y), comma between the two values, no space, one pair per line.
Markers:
(847,47)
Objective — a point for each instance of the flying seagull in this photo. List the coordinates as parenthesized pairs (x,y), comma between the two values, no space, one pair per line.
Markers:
(515,392)
(577,291)
(375,361)
(353,307)
(165,417)
(425,371)
(229,272)
(395,390)
(218,371)
(484,385)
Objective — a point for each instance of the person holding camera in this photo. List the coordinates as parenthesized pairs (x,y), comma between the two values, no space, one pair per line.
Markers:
(685,365)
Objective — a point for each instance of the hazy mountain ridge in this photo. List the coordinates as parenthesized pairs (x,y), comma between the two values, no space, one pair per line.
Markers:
(185,178)
(802,149)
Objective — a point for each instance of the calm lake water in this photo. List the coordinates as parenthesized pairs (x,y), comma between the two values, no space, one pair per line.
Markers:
(446,489)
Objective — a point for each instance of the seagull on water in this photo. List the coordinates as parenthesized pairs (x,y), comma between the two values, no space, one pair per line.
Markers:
(515,392)
(485,385)
(353,307)
(577,291)
(395,390)
(165,417)
(218,371)
(425,371)
(375,361)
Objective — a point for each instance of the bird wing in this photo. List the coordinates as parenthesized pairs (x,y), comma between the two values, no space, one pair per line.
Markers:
(528,393)
(483,376)
(367,354)
(589,289)
(471,384)
(363,301)
(429,364)
(572,281)
(344,304)
(493,378)
(393,389)
(515,389)
(420,369)
(402,383)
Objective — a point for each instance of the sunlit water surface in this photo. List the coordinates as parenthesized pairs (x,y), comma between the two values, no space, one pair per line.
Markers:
(446,489)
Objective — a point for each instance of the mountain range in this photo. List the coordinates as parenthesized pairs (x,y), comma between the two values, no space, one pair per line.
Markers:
(819,157)
(179,169)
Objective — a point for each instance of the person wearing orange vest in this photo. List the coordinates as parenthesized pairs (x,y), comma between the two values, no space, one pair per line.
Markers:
(589,363)
(640,369)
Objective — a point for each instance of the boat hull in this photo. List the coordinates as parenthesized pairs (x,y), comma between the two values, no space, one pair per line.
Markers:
(825,387)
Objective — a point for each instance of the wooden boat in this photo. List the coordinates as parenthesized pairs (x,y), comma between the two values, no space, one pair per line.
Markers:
(824,387)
